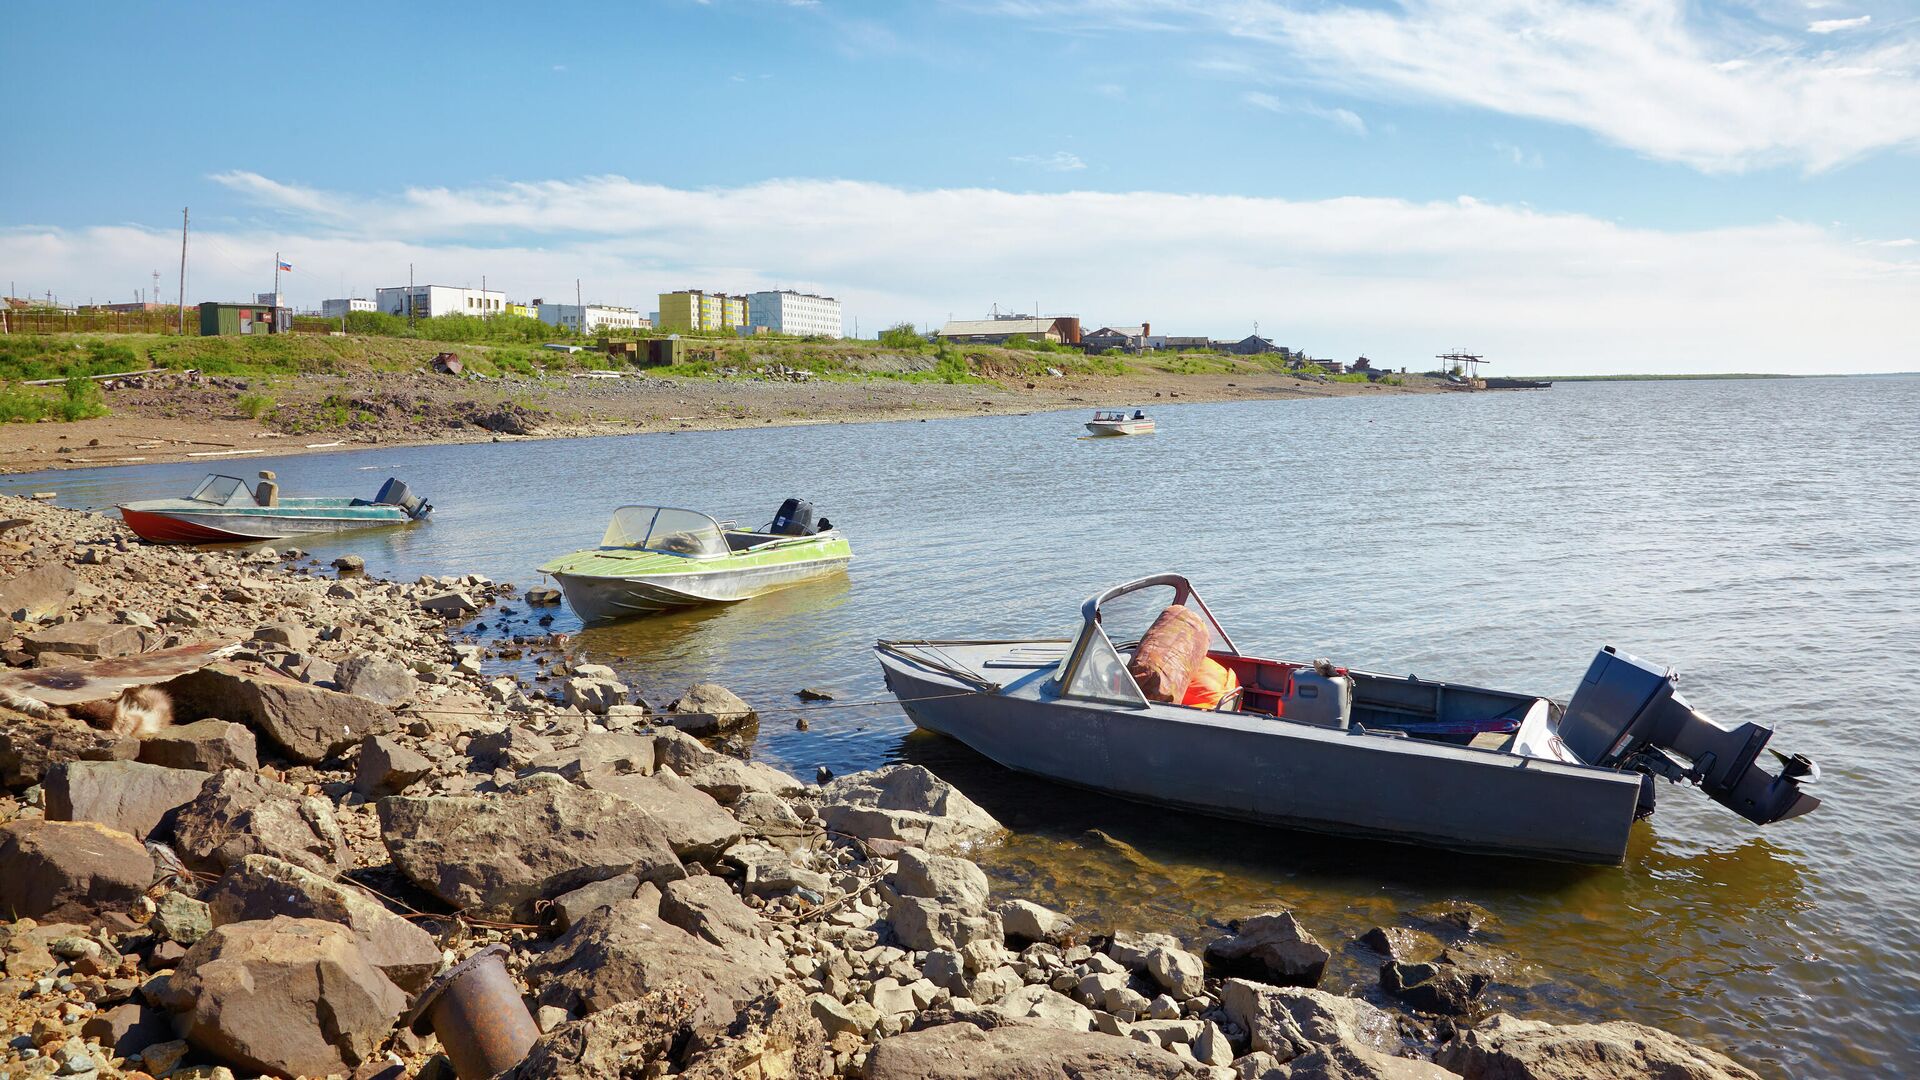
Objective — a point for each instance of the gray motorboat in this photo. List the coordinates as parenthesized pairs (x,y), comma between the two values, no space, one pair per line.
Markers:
(1312,746)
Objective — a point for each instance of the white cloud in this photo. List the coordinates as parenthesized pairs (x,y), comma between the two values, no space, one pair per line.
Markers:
(1720,91)
(1058,161)
(1390,278)
(1345,118)
(1828,26)
(1525,159)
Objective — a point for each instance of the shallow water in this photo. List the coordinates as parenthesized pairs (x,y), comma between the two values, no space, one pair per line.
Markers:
(1763,537)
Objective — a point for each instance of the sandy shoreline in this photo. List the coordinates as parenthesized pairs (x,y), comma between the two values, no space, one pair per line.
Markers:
(182,419)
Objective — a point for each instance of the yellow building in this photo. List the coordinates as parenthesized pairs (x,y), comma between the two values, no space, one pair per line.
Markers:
(697,311)
(525,311)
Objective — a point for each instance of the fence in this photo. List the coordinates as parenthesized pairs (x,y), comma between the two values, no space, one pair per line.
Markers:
(105,322)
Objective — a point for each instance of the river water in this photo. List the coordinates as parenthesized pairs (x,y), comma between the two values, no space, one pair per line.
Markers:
(1763,537)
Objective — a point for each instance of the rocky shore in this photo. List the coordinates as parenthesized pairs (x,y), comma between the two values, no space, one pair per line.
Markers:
(264,818)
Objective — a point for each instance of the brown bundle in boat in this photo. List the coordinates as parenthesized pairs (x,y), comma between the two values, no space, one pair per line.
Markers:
(1173,646)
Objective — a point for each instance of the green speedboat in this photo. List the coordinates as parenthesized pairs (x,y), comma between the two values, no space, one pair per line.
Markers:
(655,558)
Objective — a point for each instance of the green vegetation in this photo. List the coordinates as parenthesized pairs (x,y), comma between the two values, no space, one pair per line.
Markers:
(76,399)
(902,336)
(457,328)
(252,406)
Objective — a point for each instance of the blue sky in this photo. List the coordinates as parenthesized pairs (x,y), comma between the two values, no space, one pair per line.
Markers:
(1652,184)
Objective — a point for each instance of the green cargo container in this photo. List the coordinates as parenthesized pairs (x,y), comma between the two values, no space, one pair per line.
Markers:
(217,318)
(664,351)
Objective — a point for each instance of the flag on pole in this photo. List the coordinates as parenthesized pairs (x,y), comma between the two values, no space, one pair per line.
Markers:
(287,266)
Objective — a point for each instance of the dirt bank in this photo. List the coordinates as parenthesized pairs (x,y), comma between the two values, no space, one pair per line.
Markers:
(183,417)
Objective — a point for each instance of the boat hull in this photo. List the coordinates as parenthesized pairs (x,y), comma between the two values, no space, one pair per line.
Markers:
(213,527)
(1122,427)
(1272,772)
(597,598)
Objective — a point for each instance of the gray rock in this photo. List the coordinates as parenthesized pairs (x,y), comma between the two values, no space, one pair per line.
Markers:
(31,746)
(309,723)
(693,824)
(1177,971)
(707,908)
(624,951)
(1289,1022)
(496,855)
(709,709)
(55,870)
(1440,988)
(947,879)
(1505,1048)
(328,1012)
(350,563)
(180,918)
(1017,1051)
(1271,947)
(204,745)
(291,636)
(84,640)
(260,887)
(452,604)
(1401,943)
(239,813)
(32,595)
(541,596)
(569,908)
(386,767)
(1028,921)
(376,677)
(905,803)
(593,695)
(125,795)
(920,924)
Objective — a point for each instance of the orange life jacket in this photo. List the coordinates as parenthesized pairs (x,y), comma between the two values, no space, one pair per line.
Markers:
(1211,682)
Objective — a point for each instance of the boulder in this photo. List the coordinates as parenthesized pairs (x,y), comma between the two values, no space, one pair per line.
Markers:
(1505,1048)
(905,803)
(541,596)
(693,824)
(707,908)
(540,837)
(709,709)
(327,1013)
(1455,916)
(770,818)
(1027,921)
(124,795)
(386,767)
(127,1030)
(947,879)
(309,723)
(1291,1021)
(350,563)
(260,887)
(1271,947)
(570,907)
(376,677)
(593,695)
(1023,1050)
(1401,943)
(290,636)
(920,924)
(452,604)
(181,919)
(728,778)
(84,640)
(239,813)
(1434,987)
(1177,971)
(204,745)
(615,1042)
(626,950)
(31,746)
(33,595)
(69,870)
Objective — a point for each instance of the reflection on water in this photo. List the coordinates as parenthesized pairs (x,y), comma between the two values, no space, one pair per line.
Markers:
(1761,537)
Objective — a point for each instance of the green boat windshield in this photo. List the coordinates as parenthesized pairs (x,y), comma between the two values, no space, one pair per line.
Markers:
(663,529)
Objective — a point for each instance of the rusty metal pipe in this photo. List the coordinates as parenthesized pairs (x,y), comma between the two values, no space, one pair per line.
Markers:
(476,1012)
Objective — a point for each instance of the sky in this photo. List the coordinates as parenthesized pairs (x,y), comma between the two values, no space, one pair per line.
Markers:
(1566,186)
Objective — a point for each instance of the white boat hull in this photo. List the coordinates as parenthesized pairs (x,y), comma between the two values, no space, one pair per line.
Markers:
(1120,427)
(601,599)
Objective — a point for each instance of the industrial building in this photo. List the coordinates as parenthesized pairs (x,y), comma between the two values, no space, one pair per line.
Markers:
(784,311)
(694,310)
(1128,339)
(433,301)
(590,317)
(1061,329)
(340,309)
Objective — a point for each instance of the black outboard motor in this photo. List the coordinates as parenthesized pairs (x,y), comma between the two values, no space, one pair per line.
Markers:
(1627,714)
(395,493)
(795,519)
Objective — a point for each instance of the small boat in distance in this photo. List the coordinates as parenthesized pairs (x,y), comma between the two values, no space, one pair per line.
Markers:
(224,510)
(1174,714)
(654,558)
(1117,422)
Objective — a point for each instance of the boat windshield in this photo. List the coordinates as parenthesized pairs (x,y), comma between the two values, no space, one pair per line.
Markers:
(221,490)
(688,533)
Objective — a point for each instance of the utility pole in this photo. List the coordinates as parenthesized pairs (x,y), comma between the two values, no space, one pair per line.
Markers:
(183,271)
(409,296)
(579,309)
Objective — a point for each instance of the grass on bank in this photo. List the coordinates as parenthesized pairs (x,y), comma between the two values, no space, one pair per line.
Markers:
(78,398)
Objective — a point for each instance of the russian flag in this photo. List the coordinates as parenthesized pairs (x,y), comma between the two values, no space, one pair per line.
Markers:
(286,266)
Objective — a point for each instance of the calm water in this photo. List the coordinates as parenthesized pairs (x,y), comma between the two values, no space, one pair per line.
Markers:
(1761,537)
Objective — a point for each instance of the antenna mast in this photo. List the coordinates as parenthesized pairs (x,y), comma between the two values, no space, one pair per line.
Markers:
(183,271)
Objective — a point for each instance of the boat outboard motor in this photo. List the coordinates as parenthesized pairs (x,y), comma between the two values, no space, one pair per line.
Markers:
(795,519)
(1627,714)
(395,493)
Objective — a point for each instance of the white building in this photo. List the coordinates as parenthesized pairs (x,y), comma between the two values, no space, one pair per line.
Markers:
(800,314)
(336,309)
(432,301)
(598,317)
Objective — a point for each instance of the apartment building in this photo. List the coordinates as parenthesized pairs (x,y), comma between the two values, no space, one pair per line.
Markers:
(691,310)
(433,301)
(588,318)
(784,311)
